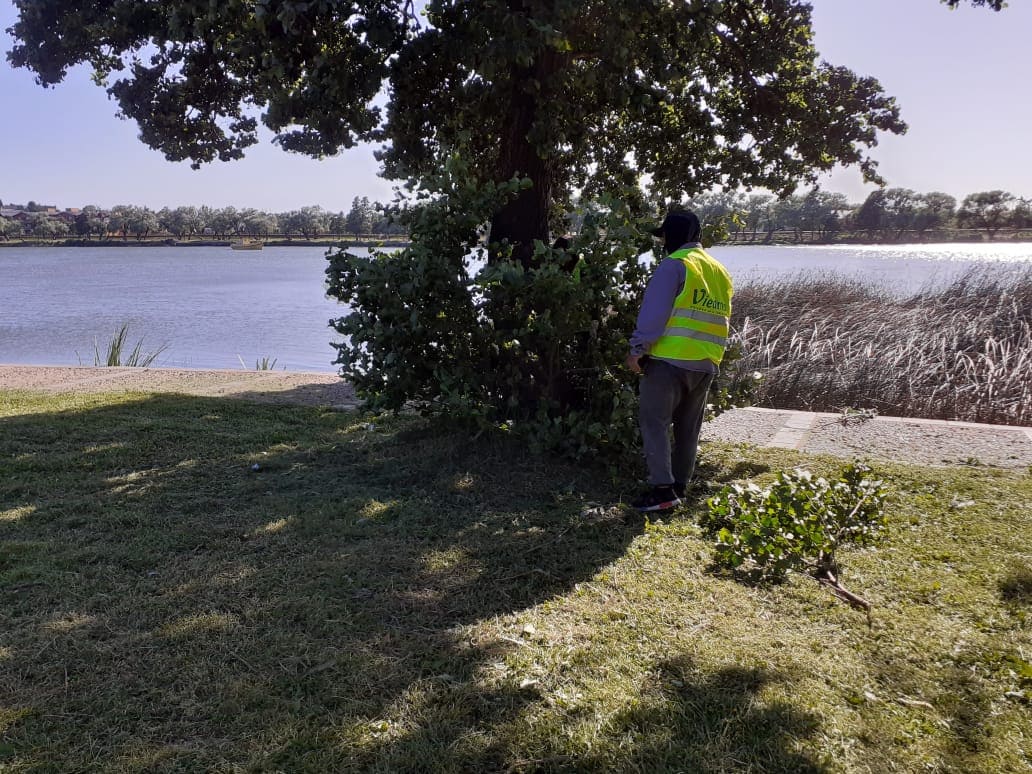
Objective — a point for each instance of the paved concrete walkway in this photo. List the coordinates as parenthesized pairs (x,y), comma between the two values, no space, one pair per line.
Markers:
(919,441)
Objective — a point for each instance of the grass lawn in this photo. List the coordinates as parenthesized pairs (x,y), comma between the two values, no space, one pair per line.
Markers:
(392,597)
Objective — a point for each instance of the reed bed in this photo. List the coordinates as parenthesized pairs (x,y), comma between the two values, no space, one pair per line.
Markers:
(825,343)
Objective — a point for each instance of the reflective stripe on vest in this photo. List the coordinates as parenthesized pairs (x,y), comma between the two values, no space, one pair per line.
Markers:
(688,333)
(695,314)
(691,332)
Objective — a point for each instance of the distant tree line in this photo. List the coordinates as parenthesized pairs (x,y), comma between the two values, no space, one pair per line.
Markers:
(888,214)
(365,218)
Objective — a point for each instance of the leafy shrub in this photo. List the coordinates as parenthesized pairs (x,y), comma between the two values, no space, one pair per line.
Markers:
(535,349)
(796,523)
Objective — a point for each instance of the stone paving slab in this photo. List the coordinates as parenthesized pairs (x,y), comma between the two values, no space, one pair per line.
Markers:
(920,441)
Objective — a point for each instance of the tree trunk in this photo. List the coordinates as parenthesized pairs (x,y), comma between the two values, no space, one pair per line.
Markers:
(525,218)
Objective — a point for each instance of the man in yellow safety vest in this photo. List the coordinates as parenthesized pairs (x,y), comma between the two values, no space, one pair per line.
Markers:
(677,345)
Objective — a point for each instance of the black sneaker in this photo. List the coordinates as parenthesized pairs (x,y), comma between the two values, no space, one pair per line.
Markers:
(680,489)
(659,498)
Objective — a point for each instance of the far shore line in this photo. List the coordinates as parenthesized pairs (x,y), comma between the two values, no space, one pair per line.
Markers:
(743,239)
(171,242)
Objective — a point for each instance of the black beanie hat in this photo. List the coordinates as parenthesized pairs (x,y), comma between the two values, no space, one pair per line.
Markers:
(679,227)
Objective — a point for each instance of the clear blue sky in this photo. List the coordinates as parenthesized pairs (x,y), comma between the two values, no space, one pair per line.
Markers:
(961,77)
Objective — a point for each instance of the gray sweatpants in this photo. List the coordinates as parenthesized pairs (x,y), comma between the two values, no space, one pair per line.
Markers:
(669,395)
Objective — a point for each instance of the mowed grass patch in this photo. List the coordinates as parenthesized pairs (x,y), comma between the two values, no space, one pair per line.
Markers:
(385,595)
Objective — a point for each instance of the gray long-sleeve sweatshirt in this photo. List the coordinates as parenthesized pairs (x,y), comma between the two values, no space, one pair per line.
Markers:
(664,287)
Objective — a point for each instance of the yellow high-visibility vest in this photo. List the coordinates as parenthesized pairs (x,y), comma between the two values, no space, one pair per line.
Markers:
(698,325)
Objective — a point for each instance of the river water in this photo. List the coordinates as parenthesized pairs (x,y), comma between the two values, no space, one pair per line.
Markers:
(217,308)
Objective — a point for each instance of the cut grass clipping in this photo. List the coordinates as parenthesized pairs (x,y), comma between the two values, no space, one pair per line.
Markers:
(387,595)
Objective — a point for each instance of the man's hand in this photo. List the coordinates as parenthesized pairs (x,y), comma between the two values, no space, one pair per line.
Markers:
(633,363)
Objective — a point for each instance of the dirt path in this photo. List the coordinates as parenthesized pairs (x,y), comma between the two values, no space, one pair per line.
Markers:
(311,389)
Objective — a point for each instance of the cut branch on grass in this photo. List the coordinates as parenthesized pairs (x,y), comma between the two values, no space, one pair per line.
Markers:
(829,580)
(798,523)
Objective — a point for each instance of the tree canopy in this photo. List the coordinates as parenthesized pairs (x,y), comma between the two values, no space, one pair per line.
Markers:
(989,210)
(568,93)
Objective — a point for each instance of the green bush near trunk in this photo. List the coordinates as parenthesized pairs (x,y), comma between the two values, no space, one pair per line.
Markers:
(534,349)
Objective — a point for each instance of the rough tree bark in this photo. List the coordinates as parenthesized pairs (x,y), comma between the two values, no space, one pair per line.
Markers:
(525,218)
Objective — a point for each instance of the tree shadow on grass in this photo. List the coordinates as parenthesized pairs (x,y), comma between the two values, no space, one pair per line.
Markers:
(714,723)
(334,395)
(957,696)
(682,721)
(190,583)
(1016,587)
